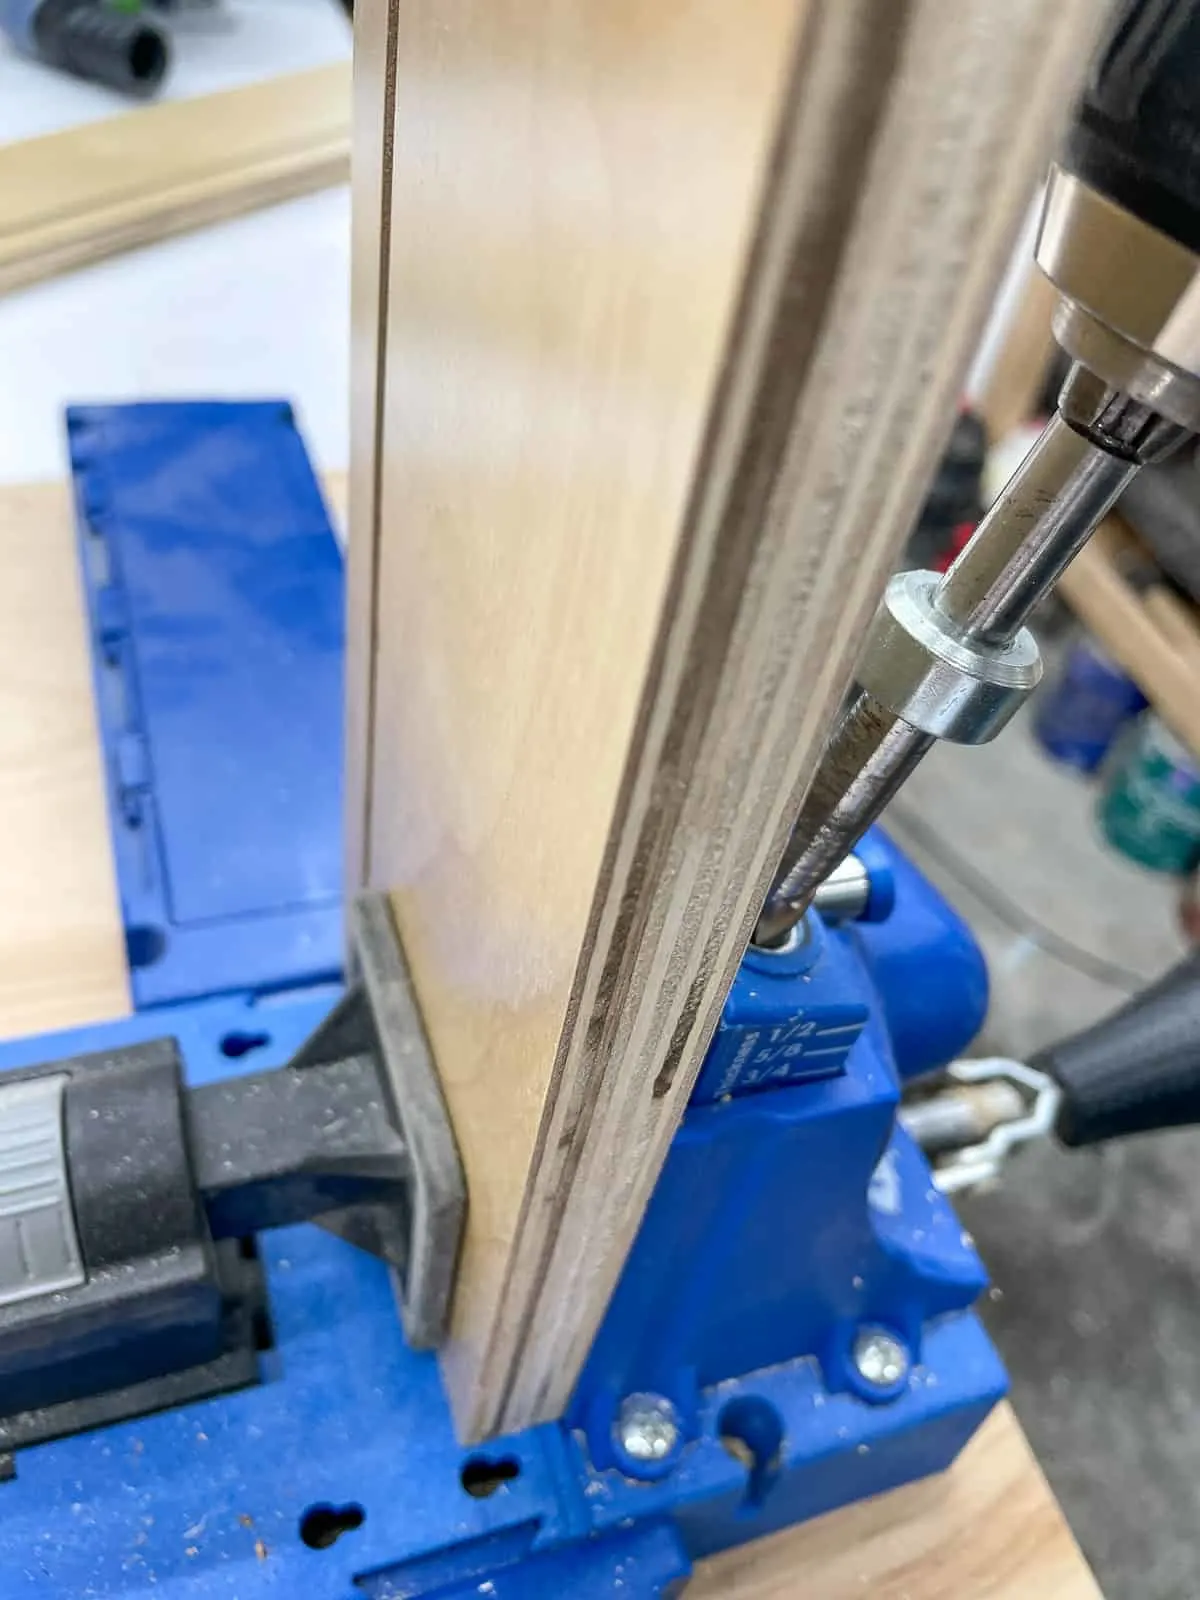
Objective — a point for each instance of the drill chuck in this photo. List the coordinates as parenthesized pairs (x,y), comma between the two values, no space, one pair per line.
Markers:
(1120,233)
(1130,310)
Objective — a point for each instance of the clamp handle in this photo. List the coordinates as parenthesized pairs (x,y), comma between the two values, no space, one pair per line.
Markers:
(1136,1071)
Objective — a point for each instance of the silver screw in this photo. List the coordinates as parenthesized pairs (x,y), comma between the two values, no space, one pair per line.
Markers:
(881,1359)
(647,1427)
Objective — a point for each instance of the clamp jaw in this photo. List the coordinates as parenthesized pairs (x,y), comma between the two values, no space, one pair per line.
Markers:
(129,1275)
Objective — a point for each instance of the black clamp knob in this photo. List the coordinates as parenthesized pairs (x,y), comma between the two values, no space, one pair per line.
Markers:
(1137,1071)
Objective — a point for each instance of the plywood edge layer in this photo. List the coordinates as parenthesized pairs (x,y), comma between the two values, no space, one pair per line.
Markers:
(971,115)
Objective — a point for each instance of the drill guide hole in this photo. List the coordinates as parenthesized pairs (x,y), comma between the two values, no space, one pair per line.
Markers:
(236,1045)
(144,945)
(481,1476)
(322,1525)
(751,1430)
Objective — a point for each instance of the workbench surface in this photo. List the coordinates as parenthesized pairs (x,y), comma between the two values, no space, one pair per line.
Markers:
(987,1530)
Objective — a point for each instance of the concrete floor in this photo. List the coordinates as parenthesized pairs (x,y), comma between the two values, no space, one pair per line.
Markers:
(1095,1255)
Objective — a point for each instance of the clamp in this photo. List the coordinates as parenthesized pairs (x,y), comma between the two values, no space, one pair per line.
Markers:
(129,1274)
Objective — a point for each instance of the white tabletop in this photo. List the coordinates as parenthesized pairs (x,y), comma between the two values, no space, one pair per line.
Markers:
(254,307)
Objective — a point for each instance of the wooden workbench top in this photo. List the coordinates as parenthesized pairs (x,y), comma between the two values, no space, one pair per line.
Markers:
(987,1530)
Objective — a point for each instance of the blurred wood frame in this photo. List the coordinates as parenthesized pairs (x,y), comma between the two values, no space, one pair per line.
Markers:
(660,318)
(78,196)
(1151,631)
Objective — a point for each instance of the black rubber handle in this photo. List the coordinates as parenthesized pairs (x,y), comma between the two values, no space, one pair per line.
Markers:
(102,43)
(1136,134)
(1138,1070)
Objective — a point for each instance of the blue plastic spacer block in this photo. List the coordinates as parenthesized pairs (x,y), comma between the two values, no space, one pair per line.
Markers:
(215,594)
(793,1016)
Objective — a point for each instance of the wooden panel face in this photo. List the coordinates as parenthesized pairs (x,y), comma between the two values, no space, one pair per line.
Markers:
(573,190)
(677,304)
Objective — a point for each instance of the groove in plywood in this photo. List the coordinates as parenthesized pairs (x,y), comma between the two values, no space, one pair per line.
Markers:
(375,29)
(70,198)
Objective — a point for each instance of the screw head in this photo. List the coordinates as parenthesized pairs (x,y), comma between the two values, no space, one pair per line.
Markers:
(880,1358)
(647,1427)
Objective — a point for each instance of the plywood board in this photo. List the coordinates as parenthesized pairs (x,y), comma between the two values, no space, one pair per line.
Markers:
(989,1529)
(62,946)
(71,198)
(554,275)
(670,339)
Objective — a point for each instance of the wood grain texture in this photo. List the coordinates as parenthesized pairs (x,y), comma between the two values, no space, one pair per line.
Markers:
(62,946)
(677,317)
(74,197)
(989,1529)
